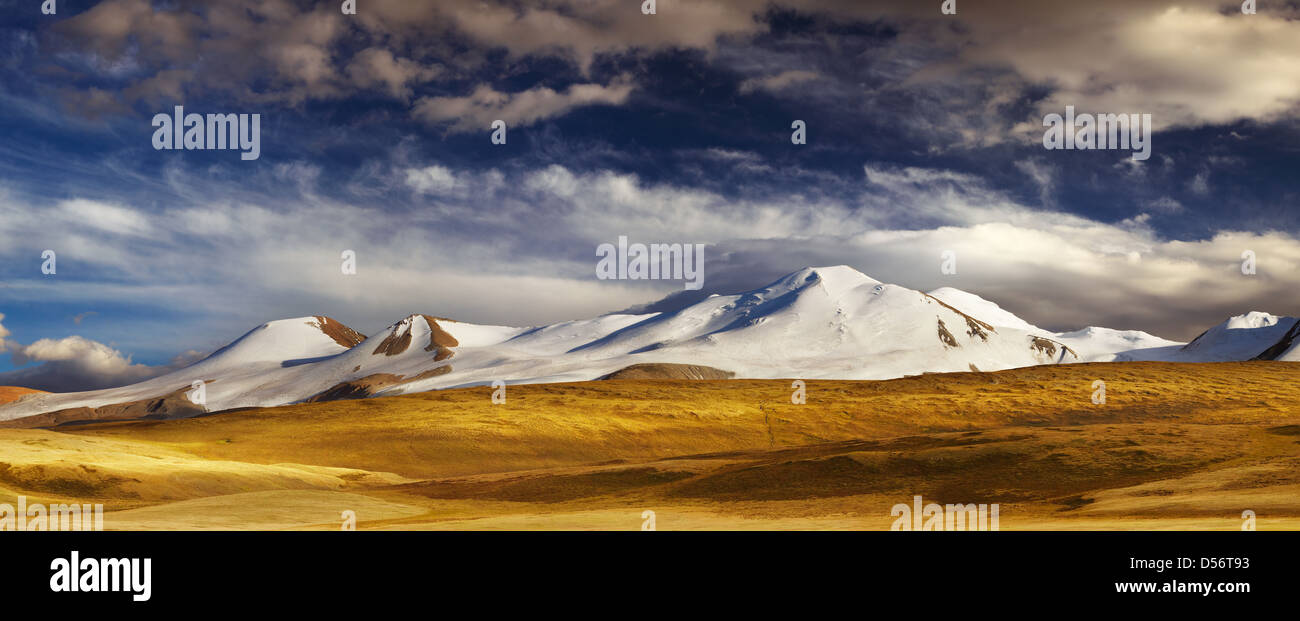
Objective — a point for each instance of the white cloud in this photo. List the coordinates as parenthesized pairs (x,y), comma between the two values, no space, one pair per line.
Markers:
(1200,184)
(1187,64)
(105,217)
(778,82)
(431,180)
(579,30)
(477,111)
(378,67)
(1167,205)
(74,363)
(4,334)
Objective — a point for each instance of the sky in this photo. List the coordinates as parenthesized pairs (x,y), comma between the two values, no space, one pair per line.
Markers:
(924,136)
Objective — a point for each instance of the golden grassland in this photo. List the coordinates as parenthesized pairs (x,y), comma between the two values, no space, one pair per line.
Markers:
(1175,446)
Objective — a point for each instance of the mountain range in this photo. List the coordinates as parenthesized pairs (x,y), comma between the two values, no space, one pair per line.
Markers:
(816,323)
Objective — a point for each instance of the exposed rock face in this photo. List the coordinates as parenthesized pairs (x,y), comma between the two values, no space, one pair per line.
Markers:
(343,335)
(946,337)
(440,340)
(399,338)
(1048,347)
(173,405)
(975,326)
(369,385)
(396,342)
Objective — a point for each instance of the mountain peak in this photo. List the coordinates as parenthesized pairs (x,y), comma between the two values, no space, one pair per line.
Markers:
(417,325)
(1241,337)
(840,272)
(1253,319)
(407,320)
(836,279)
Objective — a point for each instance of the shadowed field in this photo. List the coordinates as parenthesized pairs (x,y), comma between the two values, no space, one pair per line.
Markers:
(1175,446)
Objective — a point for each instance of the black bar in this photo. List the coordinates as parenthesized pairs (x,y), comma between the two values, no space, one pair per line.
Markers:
(542,569)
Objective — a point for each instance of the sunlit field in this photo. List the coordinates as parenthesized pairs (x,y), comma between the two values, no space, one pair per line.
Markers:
(1175,446)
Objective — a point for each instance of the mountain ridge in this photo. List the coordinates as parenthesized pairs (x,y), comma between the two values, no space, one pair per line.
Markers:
(815,323)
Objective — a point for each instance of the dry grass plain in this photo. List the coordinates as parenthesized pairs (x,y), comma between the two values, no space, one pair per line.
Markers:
(1176,446)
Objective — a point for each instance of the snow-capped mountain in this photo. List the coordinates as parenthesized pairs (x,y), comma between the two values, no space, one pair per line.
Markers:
(1240,338)
(816,323)
(1252,336)
(1091,344)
